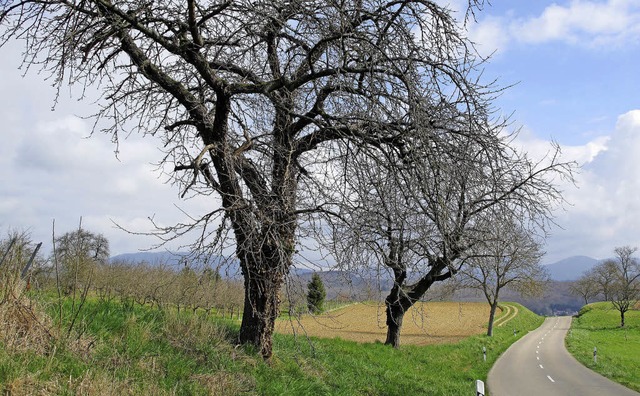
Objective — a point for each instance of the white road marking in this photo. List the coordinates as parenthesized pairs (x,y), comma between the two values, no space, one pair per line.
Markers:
(550,379)
(538,357)
(540,366)
(537,351)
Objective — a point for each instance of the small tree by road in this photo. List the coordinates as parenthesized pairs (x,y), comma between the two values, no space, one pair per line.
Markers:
(603,275)
(586,287)
(509,258)
(625,290)
(316,294)
(617,280)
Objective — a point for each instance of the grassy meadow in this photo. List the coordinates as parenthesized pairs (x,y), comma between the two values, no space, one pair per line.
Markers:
(114,347)
(598,325)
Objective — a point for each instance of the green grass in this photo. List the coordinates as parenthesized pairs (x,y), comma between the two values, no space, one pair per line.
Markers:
(337,367)
(598,325)
(140,350)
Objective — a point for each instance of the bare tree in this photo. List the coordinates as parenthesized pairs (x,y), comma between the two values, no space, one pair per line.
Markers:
(604,275)
(625,290)
(79,253)
(585,287)
(247,96)
(508,258)
(422,223)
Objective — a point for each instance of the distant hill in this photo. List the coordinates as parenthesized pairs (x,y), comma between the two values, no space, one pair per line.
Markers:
(571,268)
(153,258)
(228,267)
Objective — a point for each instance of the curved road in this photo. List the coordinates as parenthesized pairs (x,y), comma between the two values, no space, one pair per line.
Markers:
(539,364)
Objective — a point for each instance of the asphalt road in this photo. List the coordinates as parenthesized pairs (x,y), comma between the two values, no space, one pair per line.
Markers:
(539,364)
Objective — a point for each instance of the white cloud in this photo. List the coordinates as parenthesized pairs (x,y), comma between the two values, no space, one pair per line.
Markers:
(537,148)
(604,209)
(52,169)
(489,35)
(612,23)
(581,22)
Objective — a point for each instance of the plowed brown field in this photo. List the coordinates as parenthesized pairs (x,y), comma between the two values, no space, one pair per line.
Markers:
(424,323)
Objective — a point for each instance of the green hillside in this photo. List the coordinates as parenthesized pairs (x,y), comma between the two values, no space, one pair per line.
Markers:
(618,357)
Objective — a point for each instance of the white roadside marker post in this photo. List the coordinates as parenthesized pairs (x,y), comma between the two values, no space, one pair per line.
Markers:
(595,355)
(479,388)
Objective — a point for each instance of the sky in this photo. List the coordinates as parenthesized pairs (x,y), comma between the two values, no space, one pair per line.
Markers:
(571,68)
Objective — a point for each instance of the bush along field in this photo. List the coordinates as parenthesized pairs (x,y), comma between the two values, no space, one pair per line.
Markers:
(618,348)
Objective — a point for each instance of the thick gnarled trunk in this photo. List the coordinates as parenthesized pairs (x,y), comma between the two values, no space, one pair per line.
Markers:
(402,297)
(261,308)
(395,315)
(264,270)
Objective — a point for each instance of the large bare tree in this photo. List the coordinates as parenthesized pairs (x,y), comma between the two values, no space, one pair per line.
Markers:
(247,95)
(422,223)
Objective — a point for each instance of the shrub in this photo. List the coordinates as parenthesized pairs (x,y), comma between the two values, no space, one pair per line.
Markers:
(316,294)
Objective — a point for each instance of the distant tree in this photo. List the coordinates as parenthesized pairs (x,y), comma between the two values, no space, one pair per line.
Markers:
(78,253)
(625,290)
(604,275)
(210,276)
(508,258)
(585,287)
(316,294)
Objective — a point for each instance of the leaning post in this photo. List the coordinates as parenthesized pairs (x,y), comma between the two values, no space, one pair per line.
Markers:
(33,256)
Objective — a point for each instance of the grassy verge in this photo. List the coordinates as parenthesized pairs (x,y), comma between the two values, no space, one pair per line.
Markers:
(337,367)
(598,325)
(141,350)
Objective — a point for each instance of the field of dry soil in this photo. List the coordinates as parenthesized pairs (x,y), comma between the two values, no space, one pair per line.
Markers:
(425,323)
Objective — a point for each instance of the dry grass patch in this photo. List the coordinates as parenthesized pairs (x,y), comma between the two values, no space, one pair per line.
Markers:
(24,324)
(426,323)
(223,383)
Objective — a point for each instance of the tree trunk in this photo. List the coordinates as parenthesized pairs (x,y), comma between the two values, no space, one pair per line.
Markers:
(402,297)
(621,318)
(492,316)
(395,314)
(260,313)
(264,269)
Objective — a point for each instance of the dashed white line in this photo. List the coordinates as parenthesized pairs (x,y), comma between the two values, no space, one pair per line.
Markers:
(541,366)
(550,379)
